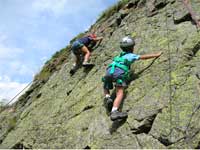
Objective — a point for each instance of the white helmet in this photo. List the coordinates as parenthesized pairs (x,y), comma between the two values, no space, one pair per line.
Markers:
(127,43)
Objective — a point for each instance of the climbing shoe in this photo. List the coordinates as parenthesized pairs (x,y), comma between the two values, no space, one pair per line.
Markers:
(86,64)
(115,115)
(108,103)
(74,69)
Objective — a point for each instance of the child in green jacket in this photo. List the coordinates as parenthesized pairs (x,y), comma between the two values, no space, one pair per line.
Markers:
(118,72)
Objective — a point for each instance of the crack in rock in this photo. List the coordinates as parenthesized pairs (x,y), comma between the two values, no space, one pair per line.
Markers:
(88,108)
(87,147)
(20,145)
(185,18)
(192,52)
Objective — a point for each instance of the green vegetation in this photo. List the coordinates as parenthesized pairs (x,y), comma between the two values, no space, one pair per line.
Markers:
(12,123)
(2,105)
(77,37)
(115,8)
(53,64)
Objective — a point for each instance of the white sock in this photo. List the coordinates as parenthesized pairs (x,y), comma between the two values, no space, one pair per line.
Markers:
(107,95)
(114,109)
(85,62)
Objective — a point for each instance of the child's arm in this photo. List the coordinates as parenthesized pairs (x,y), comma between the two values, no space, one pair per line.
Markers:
(148,56)
(97,39)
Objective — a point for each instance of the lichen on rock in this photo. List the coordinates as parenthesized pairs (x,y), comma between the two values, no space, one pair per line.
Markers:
(162,100)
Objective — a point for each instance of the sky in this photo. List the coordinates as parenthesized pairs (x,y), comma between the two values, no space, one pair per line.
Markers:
(31,31)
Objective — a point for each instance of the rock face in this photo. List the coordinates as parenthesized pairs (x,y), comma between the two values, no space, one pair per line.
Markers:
(162,100)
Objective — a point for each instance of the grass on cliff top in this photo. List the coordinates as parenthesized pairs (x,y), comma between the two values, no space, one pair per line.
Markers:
(53,64)
(77,37)
(113,9)
(3,106)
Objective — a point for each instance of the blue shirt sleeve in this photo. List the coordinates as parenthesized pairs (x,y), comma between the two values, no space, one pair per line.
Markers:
(131,57)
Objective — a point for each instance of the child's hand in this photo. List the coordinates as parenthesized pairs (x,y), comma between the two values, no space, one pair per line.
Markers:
(101,38)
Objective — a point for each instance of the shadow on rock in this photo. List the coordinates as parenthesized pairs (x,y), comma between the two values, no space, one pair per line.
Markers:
(116,124)
(88,68)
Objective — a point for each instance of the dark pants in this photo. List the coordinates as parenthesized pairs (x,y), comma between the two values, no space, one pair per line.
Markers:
(117,77)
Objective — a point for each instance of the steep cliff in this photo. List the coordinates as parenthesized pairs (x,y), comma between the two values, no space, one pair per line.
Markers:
(162,100)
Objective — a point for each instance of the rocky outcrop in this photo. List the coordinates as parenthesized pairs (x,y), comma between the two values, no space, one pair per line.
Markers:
(162,100)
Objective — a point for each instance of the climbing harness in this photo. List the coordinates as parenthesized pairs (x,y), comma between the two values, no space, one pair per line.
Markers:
(121,63)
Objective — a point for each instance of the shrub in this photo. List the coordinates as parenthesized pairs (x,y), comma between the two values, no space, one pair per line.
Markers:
(113,9)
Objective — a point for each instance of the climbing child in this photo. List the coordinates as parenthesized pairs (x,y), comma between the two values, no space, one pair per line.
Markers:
(118,72)
(80,46)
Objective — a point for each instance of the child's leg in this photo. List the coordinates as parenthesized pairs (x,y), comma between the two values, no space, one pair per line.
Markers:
(106,92)
(77,60)
(115,114)
(87,53)
(108,101)
(119,97)
(107,85)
